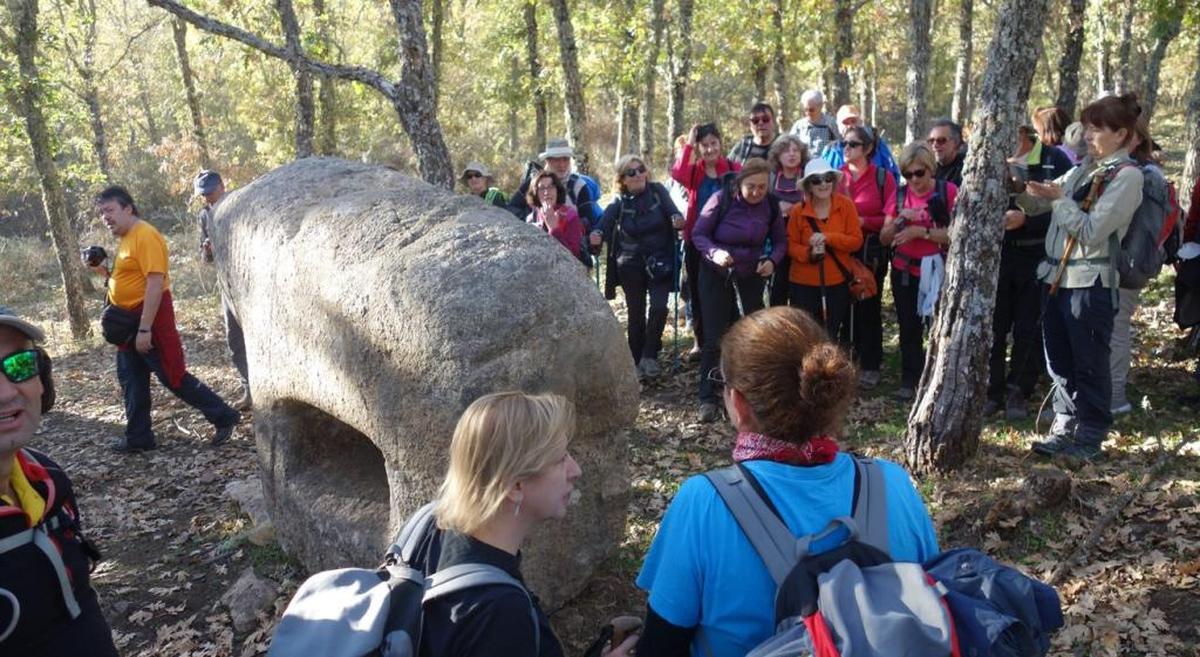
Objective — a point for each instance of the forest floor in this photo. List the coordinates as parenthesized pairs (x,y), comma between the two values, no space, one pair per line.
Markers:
(174,542)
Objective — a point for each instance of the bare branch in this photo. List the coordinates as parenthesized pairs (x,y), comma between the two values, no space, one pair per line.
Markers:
(859,5)
(359,74)
(129,46)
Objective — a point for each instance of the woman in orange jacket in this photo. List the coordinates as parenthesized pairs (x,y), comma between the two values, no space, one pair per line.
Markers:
(822,233)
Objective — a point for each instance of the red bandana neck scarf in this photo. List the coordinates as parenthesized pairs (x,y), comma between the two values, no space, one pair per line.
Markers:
(817,450)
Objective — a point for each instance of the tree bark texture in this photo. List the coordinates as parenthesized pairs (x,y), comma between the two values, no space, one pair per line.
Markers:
(1124,61)
(179,31)
(919,58)
(1104,77)
(1068,77)
(681,67)
(1167,31)
(646,111)
(576,109)
(306,110)
(779,66)
(760,76)
(29,101)
(411,96)
(843,51)
(946,419)
(960,108)
(535,76)
(437,44)
(327,96)
(1191,164)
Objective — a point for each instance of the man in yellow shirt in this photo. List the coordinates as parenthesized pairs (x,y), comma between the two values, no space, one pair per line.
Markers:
(140,283)
(47,606)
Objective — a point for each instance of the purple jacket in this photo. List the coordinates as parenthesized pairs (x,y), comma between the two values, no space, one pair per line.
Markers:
(742,232)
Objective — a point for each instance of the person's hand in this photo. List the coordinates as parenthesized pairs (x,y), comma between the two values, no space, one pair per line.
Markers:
(142,342)
(816,240)
(596,238)
(1048,191)
(909,234)
(765,268)
(550,216)
(625,649)
(911,214)
(681,141)
(100,270)
(207,250)
(722,258)
(677,222)
(1013,219)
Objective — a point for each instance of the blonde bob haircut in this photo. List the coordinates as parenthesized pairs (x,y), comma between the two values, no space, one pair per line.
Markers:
(624,163)
(917,153)
(501,438)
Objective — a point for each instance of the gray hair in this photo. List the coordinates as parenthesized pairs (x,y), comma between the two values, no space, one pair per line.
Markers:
(812,95)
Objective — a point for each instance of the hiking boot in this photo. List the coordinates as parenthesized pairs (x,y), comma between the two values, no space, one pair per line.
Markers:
(1055,444)
(1077,456)
(649,368)
(709,412)
(222,435)
(904,393)
(991,407)
(245,403)
(1015,406)
(868,379)
(122,446)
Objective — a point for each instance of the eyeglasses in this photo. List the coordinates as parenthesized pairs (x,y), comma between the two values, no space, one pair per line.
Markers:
(854,144)
(918,173)
(633,171)
(715,376)
(818,178)
(21,366)
(546,188)
(937,140)
(760,119)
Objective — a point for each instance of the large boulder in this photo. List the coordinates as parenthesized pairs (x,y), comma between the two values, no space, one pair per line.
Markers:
(376,308)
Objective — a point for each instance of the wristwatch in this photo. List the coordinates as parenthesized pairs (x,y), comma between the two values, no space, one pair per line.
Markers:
(927,232)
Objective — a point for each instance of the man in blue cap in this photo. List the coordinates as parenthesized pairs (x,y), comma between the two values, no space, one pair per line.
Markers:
(211,188)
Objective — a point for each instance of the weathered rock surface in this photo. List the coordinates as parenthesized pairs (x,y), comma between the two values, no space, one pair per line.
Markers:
(248,596)
(376,308)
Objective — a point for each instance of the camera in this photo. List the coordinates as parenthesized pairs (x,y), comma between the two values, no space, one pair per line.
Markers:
(901,223)
(93,255)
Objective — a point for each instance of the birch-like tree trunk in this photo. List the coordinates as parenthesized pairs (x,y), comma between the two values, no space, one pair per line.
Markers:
(1166,29)
(760,75)
(646,111)
(779,66)
(680,56)
(919,59)
(1124,61)
(1191,163)
(29,99)
(946,419)
(411,96)
(535,76)
(305,109)
(1068,77)
(436,45)
(179,32)
(843,50)
(576,109)
(327,96)
(960,107)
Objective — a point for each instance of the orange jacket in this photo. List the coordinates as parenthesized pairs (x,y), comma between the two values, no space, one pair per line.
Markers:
(843,235)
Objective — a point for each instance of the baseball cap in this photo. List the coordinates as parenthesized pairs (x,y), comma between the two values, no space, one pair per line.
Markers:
(8,317)
(206,182)
(477,168)
(847,111)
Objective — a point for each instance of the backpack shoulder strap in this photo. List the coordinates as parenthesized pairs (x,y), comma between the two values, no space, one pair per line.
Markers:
(870,503)
(471,575)
(411,535)
(772,540)
(881,182)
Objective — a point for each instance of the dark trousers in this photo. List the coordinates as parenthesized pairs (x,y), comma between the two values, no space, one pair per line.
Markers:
(134,369)
(720,312)
(645,334)
(866,316)
(692,266)
(781,287)
(1018,311)
(237,343)
(1077,328)
(836,303)
(912,339)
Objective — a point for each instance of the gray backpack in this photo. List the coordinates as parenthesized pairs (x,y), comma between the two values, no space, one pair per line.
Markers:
(851,601)
(358,612)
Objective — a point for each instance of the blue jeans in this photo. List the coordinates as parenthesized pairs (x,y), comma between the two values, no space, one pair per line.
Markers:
(133,370)
(1077,326)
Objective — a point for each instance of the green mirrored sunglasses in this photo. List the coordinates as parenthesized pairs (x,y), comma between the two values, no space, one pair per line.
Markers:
(21,366)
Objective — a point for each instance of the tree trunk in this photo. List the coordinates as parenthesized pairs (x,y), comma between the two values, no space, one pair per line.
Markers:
(327,97)
(681,67)
(305,109)
(960,108)
(946,419)
(760,76)
(1103,63)
(917,79)
(646,115)
(1191,165)
(1068,78)
(179,31)
(438,15)
(843,50)
(1124,63)
(535,76)
(1167,31)
(514,106)
(779,66)
(576,110)
(29,100)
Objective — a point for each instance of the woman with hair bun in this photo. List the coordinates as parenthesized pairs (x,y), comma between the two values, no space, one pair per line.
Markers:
(1091,207)
(787,391)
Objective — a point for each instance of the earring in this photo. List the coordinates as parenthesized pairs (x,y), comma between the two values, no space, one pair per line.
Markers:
(517,510)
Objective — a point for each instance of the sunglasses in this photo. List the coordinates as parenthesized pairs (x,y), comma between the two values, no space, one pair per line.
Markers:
(919,173)
(715,376)
(854,144)
(471,174)
(937,140)
(759,120)
(633,171)
(21,366)
(818,178)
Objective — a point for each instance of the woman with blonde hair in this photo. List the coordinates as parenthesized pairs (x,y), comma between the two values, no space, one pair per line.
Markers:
(510,470)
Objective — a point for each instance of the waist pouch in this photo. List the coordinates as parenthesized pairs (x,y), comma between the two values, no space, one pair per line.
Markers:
(118,325)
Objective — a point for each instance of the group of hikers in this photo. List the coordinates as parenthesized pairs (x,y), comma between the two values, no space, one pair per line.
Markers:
(809,223)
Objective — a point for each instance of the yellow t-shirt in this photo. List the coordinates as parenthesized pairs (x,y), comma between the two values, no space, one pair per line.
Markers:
(142,252)
(27,498)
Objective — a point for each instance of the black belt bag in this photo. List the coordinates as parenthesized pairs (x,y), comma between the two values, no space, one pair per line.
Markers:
(118,325)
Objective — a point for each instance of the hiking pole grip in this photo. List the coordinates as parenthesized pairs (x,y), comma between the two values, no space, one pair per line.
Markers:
(1062,263)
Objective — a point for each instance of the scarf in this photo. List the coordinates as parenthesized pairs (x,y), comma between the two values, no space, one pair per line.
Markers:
(817,450)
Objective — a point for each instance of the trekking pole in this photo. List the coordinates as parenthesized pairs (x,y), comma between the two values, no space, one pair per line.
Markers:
(678,288)
(737,293)
(824,300)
